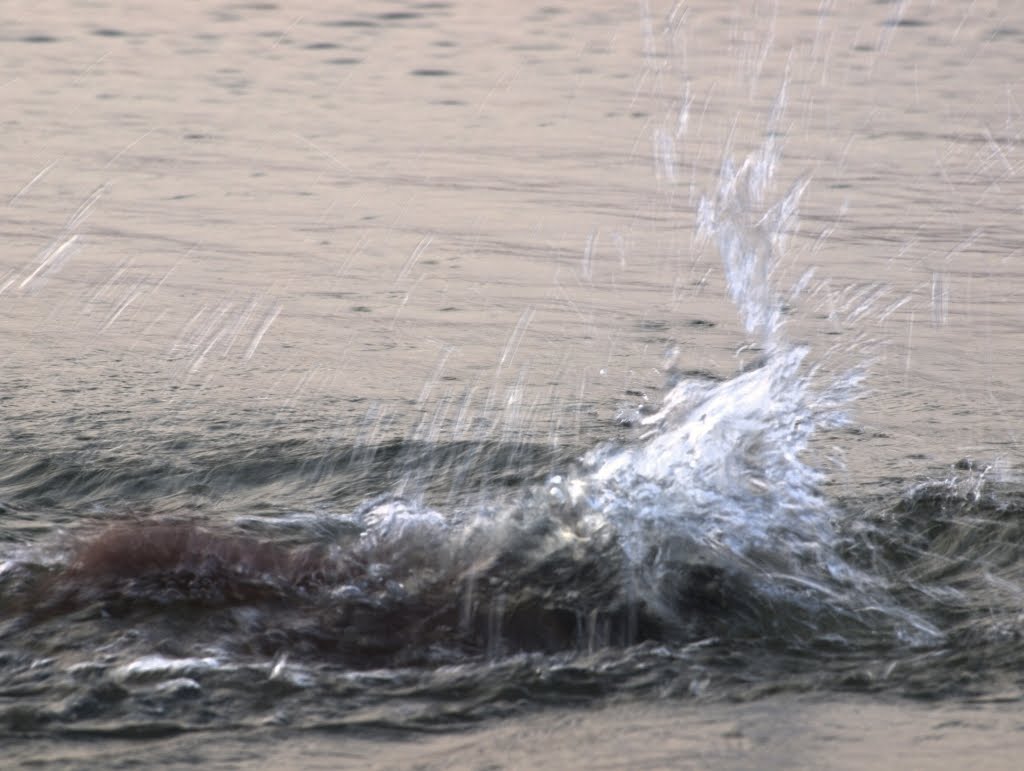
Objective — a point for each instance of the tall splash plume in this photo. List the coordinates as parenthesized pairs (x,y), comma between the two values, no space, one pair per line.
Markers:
(721,478)
(713,524)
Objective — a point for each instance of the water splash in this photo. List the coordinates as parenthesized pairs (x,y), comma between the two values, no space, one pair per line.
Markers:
(713,524)
(721,477)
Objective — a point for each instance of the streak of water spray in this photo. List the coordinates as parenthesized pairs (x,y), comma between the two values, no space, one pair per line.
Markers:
(721,476)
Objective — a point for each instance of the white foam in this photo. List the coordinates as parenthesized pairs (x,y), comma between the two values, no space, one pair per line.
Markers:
(155,665)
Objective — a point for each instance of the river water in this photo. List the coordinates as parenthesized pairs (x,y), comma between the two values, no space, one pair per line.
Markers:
(455,384)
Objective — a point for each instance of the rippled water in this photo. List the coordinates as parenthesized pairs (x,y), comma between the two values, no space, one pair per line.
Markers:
(642,378)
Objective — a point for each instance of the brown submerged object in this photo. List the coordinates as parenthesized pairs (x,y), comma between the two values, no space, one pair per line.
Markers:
(168,562)
(127,551)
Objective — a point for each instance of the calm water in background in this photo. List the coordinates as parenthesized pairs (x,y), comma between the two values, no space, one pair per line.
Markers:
(244,243)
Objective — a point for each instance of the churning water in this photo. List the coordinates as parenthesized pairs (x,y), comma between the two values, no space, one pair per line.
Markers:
(237,503)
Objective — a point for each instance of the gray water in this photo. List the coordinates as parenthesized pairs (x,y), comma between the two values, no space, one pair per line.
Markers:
(444,293)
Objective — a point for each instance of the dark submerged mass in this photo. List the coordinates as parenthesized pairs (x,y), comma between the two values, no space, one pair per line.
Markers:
(170,562)
(366,603)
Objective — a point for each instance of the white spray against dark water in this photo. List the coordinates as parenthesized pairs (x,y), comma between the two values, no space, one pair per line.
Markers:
(720,476)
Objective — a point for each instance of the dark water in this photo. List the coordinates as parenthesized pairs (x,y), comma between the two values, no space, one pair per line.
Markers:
(460,385)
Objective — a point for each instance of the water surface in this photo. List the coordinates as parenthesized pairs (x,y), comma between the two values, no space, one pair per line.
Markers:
(471,320)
